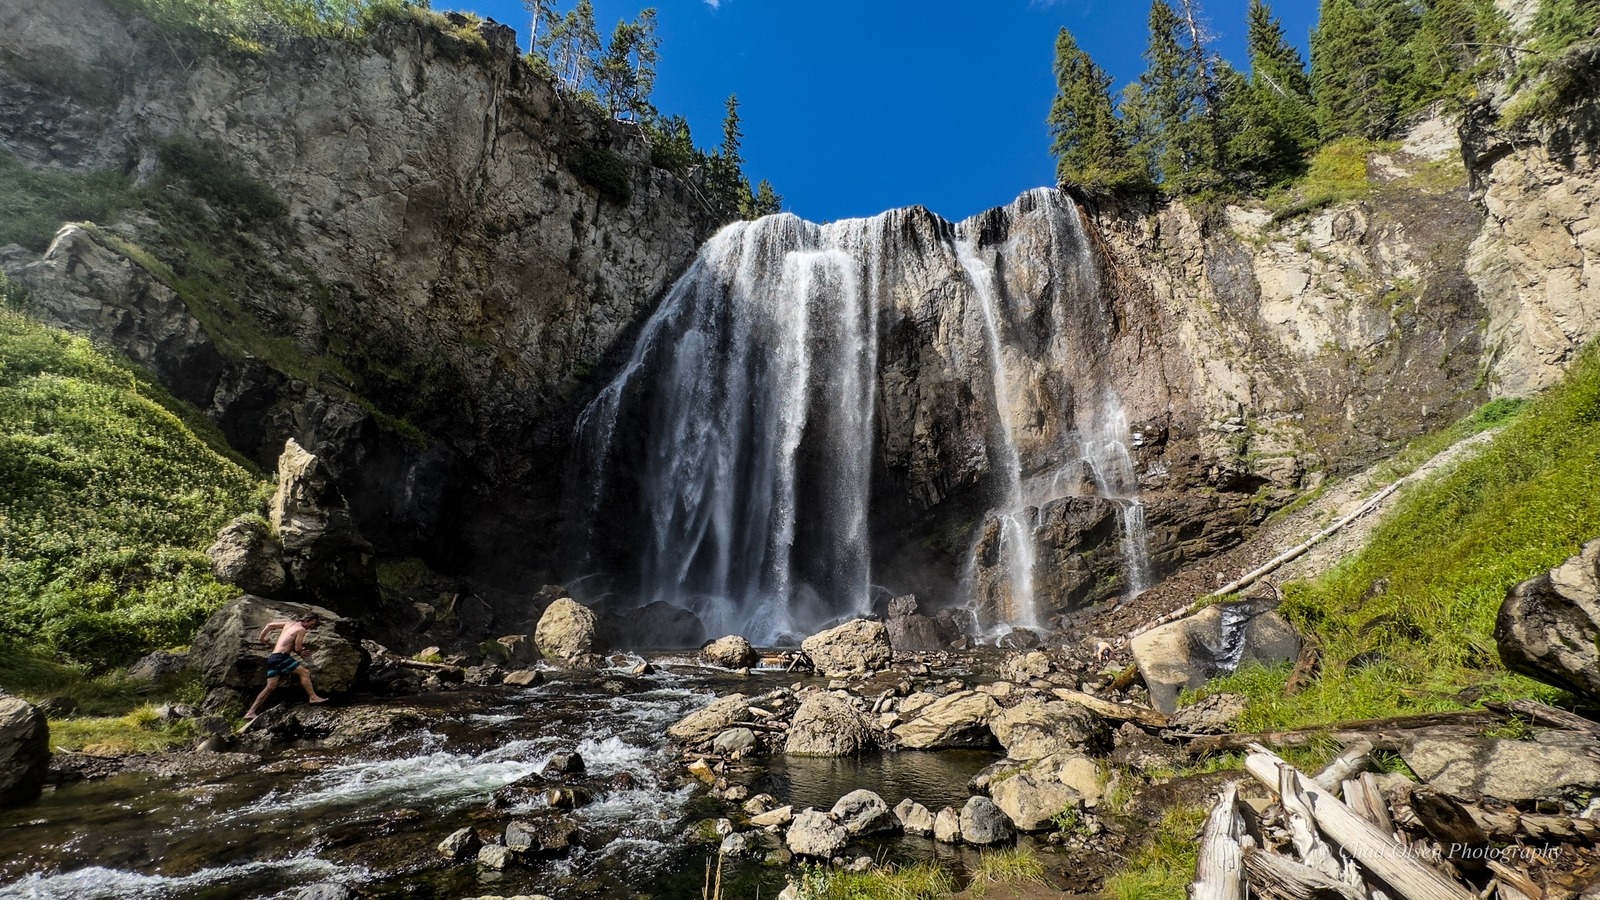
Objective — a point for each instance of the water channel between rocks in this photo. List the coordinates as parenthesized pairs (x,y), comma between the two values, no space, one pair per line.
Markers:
(370,815)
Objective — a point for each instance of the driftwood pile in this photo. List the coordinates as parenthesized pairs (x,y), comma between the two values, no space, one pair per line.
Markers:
(1340,836)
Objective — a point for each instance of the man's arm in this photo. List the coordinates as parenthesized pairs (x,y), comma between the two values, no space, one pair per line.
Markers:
(300,642)
(269,628)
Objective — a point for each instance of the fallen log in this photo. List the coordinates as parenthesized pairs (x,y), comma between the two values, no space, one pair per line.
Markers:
(1119,712)
(1218,867)
(1505,825)
(1300,550)
(1362,795)
(1383,734)
(1280,878)
(1347,765)
(1548,716)
(1376,851)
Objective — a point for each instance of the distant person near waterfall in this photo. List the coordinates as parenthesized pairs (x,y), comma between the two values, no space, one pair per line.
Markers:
(282,661)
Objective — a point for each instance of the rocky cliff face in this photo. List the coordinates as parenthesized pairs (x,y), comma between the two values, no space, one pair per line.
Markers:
(417,283)
(412,256)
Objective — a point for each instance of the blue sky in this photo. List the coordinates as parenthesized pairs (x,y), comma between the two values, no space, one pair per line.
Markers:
(851,107)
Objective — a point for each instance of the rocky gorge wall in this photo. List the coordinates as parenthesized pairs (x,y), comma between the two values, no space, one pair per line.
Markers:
(450,277)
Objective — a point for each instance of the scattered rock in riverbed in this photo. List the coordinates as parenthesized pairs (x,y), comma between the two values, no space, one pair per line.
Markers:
(731,652)
(566,631)
(327,890)
(857,646)
(959,720)
(1031,799)
(816,834)
(863,812)
(827,725)
(551,836)
(1025,667)
(563,763)
(462,844)
(774,818)
(983,823)
(24,751)
(915,819)
(524,678)
(734,740)
(229,653)
(947,826)
(1214,714)
(705,724)
(497,857)
(1036,728)
(1549,626)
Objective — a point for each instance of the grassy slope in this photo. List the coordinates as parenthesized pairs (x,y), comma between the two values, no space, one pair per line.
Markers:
(111,499)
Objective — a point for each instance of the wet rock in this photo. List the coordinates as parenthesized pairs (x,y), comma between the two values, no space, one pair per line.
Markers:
(1513,771)
(484,676)
(159,666)
(1214,641)
(738,846)
(913,633)
(1549,625)
(622,781)
(563,763)
(904,605)
(462,844)
(759,804)
(1035,728)
(566,631)
(734,740)
(327,560)
(567,798)
(702,770)
(327,890)
(1031,799)
(541,838)
(24,751)
(498,857)
(247,556)
(1215,714)
(524,678)
(1136,749)
(827,725)
(774,818)
(958,720)
(983,823)
(705,724)
(731,652)
(1025,667)
(816,834)
(512,651)
(947,826)
(661,624)
(1019,639)
(228,652)
(914,818)
(858,646)
(863,812)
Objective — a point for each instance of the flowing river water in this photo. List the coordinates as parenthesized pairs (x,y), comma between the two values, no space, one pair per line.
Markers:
(370,815)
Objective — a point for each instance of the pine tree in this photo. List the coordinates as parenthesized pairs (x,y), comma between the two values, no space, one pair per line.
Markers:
(1446,55)
(1179,95)
(1272,124)
(625,75)
(1359,65)
(1092,154)
(729,191)
(574,44)
(541,19)
(767,201)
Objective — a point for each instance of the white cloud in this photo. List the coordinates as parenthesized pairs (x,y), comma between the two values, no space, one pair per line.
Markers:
(714,4)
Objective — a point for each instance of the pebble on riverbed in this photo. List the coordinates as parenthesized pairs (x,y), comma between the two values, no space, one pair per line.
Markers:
(462,844)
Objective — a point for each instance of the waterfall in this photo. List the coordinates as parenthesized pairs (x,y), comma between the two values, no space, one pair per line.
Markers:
(1111,467)
(750,396)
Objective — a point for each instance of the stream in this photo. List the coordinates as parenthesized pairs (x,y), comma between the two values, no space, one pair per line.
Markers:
(370,815)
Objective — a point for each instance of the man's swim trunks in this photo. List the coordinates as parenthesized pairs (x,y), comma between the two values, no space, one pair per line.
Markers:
(281,664)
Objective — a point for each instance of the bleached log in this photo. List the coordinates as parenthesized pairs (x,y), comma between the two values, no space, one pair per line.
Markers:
(1510,825)
(1117,712)
(1280,878)
(1515,881)
(1377,852)
(1362,795)
(1300,550)
(1347,765)
(1218,869)
(1301,822)
(1381,733)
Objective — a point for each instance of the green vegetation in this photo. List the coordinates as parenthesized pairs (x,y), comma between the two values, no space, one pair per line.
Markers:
(1558,70)
(137,731)
(34,204)
(1010,865)
(924,881)
(1406,625)
(1163,867)
(113,492)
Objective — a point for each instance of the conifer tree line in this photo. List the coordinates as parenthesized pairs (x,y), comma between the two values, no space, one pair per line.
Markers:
(619,77)
(1193,124)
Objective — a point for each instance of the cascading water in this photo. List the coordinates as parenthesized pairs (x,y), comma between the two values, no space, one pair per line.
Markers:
(751,394)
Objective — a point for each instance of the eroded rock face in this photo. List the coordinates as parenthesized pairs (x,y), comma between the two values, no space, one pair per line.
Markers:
(566,631)
(327,560)
(228,651)
(828,725)
(24,751)
(1549,626)
(852,648)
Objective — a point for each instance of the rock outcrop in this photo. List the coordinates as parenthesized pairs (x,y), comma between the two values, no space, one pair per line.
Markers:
(326,559)
(1549,625)
(247,556)
(958,720)
(24,751)
(228,651)
(705,724)
(566,631)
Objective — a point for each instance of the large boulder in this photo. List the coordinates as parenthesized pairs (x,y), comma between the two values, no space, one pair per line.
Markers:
(24,751)
(828,725)
(705,724)
(816,834)
(1549,625)
(731,652)
(327,560)
(854,647)
(983,823)
(914,818)
(954,721)
(1513,771)
(1214,641)
(910,631)
(566,631)
(1030,801)
(1037,728)
(863,812)
(228,651)
(247,556)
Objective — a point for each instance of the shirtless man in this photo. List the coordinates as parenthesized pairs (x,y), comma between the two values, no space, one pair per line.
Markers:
(281,663)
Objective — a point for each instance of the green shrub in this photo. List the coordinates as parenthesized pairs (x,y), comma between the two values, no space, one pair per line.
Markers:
(211,176)
(111,497)
(33,205)
(604,171)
